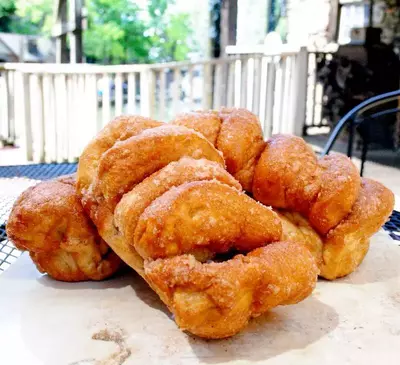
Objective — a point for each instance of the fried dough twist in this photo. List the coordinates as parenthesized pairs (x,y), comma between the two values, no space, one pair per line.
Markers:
(217,300)
(48,221)
(322,202)
(163,194)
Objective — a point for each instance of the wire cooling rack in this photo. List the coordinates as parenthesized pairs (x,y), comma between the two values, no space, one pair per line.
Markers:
(38,171)
(392,226)
(8,252)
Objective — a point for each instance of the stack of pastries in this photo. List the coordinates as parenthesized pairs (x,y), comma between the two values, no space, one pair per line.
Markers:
(222,225)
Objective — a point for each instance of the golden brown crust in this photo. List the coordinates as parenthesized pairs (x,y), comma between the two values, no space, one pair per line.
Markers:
(48,221)
(346,245)
(327,192)
(340,187)
(236,133)
(296,228)
(119,129)
(133,204)
(135,175)
(287,174)
(216,300)
(206,217)
(241,142)
(128,163)
(208,123)
(122,166)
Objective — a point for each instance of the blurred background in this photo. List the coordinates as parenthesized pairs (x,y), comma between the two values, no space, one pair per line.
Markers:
(69,66)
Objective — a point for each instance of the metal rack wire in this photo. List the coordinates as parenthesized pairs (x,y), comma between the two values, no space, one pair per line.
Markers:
(38,171)
(8,253)
(392,226)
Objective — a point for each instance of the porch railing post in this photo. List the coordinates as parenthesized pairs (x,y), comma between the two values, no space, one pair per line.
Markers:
(27,123)
(300,92)
(147,92)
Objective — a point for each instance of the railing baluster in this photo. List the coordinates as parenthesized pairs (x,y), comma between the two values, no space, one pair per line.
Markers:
(217,86)
(314,80)
(105,87)
(190,95)
(71,125)
(263,94)
(48,118)
(90,97)
(278,94)
(285,98)
(147,92)
(162,95)
(300,91)
(231,84)
(53,114)
(176,91)
(5,109)
(257,85)
(9,78)
(243,96)
(82,118)
(250,84)
(118,94)
(131,93)
(269,106)
(36,90)
(207,85)
(58,113)
(26,105)
(238,83)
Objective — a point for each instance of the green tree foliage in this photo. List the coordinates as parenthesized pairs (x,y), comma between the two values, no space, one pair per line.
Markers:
(26,16)
(115,32)
(118,30)
(169,33)
(7,11)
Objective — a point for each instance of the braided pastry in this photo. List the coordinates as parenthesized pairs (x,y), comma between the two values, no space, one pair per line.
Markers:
(322,202)
(164,202)
(48,221)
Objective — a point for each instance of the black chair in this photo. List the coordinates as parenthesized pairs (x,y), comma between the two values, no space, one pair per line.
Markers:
(363,119)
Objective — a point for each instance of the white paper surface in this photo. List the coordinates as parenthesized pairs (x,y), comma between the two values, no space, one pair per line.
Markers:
(355,320)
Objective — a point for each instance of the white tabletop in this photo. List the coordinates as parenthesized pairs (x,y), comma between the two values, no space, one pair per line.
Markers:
(351,321)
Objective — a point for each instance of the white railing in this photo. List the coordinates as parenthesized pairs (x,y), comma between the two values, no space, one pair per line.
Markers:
(53,110)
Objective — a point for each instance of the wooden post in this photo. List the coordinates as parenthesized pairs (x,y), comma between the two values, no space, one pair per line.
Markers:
(10,92)
(207,86)
(131,93)
(257,85)
(60,10)
(75,35)
(106,98)
(71,25)
(162,105)
(300,92)
(230,84)
(238,84)
(176,91)
(118,94)
(27,126)
(270,96)
(218,87)
(243,86)
(147,92)
(228,24)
